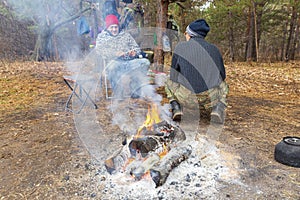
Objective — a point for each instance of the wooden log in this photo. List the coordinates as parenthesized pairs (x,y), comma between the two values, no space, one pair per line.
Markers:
(174,157)
(118,160)
(169,132)
(138,172)
(144,145)
(173,132)
(162,137)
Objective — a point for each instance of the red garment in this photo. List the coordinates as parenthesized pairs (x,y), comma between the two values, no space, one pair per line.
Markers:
(110,20)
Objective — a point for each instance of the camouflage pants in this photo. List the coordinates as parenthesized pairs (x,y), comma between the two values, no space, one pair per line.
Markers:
(205,100)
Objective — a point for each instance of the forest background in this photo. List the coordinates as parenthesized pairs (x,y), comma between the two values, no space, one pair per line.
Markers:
(244,30)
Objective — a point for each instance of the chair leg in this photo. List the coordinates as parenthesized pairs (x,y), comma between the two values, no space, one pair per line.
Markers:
(79,96)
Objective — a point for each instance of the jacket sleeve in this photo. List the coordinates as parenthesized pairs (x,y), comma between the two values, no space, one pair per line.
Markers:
(175,68)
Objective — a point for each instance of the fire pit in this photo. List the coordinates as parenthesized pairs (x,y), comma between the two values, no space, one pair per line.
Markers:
(155,149)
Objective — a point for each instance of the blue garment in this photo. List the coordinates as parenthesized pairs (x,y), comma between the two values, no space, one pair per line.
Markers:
(82,26)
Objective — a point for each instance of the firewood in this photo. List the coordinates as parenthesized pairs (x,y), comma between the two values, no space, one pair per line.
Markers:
(151,142)
(174,157)
(144,145)
(118,160)
(138,172)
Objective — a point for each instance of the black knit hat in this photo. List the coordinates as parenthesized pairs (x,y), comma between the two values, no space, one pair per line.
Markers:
(198,28)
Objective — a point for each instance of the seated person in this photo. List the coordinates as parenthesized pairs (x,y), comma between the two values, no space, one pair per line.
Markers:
(123,55)
(197,68)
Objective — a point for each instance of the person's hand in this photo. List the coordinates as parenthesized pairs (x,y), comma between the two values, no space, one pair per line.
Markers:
(120,53)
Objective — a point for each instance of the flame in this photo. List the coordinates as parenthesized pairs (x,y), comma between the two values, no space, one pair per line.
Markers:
(165,151)
(152,117)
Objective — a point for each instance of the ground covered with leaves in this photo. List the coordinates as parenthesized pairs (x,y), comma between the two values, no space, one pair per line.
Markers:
(42,157)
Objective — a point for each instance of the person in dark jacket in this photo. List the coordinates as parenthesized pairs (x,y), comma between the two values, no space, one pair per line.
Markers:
(197,68)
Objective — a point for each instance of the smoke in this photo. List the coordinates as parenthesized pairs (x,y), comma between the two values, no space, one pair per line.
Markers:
(130,113)
(56,24)
(40,11)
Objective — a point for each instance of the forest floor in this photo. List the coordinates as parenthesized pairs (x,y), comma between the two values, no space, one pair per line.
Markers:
(42,156)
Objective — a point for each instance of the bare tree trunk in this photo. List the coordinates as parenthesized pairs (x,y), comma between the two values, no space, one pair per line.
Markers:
(161,21)
(42,46)
(231,40)
(291,35)
(283,41)
(250,38)
(295,42)
(255,31)
(296,35)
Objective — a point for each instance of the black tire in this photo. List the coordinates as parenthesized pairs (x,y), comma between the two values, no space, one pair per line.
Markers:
(287,151)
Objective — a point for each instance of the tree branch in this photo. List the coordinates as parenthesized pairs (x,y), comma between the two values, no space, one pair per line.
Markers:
(70,19)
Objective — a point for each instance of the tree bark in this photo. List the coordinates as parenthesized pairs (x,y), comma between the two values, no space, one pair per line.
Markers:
(291,36)
(250,31)
(231,40)
(296,40)
(282,53)
(255,31)
(160,173)
(161,21)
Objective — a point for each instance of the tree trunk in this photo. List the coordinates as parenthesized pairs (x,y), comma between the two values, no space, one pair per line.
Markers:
(231,40)
(291,35)
(43,44)
(255,31)
(283,41)
(296,40)
(161,21)
(250,38)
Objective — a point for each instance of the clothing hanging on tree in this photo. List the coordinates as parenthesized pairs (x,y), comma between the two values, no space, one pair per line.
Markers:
(82,26)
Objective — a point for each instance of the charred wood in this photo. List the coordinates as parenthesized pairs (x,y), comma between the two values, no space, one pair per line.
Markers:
(144,145)
(160,173)
(117,160)
(166,130)
(138,172)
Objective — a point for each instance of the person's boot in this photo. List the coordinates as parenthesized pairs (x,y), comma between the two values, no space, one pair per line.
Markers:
(217,114)
(176,110)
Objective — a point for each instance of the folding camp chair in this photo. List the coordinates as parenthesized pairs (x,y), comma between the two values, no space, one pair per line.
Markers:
(107,86)
(77,85)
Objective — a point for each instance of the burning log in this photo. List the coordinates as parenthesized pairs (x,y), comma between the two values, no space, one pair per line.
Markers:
(166,130)
(144,145)
(157,139)
(118,160)
(143,152)
(138,172)
(159,174)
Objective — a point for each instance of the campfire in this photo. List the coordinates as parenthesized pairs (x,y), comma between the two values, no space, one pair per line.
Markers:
(154,150)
